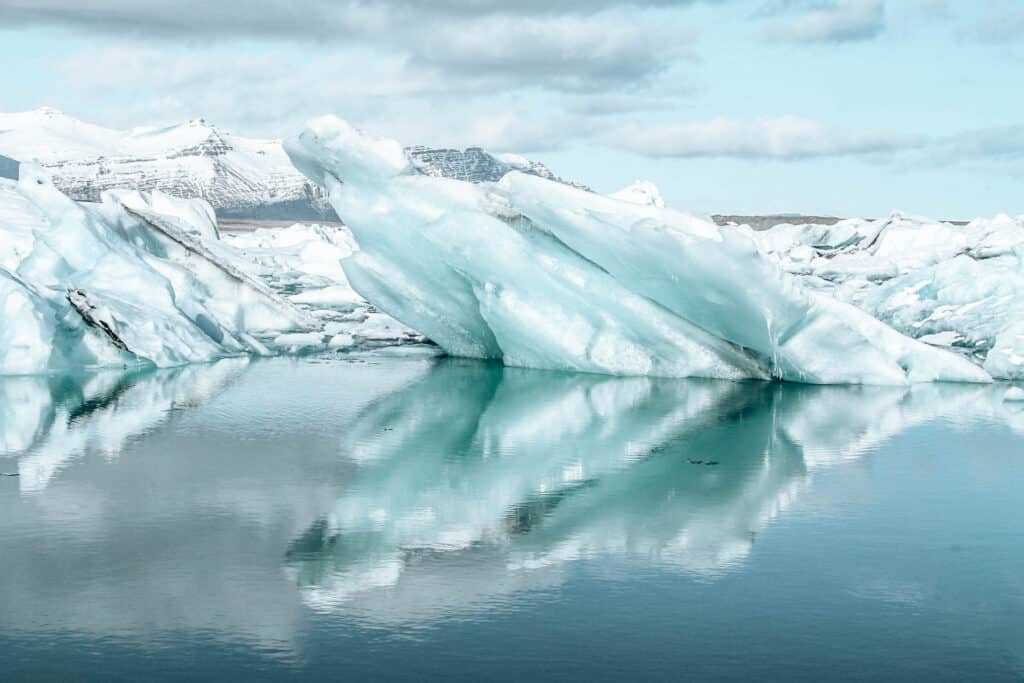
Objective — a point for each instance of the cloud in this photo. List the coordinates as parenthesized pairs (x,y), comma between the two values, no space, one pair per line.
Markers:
(792,138)
(836,21)
(437,81)
(286,19)
(997,143)
(423,71)
(575,54)
(1003,26)
(383,95)
(786,138)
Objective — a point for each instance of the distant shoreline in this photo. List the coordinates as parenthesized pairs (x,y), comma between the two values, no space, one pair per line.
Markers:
(755,222)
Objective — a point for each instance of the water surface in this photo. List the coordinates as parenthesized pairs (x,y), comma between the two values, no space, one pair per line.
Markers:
(389,518)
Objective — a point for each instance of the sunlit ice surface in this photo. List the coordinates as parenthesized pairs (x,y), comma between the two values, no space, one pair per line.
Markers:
(387,518)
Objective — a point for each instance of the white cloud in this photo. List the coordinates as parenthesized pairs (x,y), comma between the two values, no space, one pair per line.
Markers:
(576,54)
(286,19)
(838,21)
(786,138)
(274,93)
(513,85)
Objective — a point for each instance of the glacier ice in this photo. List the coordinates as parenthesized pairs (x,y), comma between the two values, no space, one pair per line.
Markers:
(525,270)
(120,283)
(540,274)
(303,263)
(144,278)
(956,286)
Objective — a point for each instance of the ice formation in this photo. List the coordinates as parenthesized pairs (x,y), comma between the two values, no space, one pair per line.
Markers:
(144,278)
(526,270)
(129,281)
(303,264)
(540,274)
(955,286)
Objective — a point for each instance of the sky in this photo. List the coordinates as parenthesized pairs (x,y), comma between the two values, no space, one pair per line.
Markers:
(836,107)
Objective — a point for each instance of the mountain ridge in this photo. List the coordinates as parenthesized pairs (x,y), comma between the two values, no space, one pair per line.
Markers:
(242,178)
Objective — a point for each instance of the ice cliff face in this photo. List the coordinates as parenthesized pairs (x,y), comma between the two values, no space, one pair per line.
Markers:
(954,286)
(130,281)
(540,274)
(144,279)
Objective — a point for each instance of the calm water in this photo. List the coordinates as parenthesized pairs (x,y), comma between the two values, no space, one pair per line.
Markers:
(395,518)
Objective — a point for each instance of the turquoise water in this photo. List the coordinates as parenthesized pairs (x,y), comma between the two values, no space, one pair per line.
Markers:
(404,519)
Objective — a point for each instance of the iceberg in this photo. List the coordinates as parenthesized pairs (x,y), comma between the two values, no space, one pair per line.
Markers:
(955,286)
(129,281)
(303,264)
(539,274)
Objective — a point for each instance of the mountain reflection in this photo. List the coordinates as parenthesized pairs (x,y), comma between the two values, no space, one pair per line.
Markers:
(46,421)
(474,478)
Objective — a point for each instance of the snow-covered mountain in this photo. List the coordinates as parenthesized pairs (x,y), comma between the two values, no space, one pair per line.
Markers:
(240,177)
(476,165)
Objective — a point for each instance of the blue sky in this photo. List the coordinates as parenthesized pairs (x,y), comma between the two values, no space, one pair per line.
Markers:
(849,107)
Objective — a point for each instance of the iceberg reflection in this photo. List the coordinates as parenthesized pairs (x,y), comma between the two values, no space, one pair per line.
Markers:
(46,421)
(478,480)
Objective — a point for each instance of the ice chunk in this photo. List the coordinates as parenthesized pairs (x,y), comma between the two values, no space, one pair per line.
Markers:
(300,257)
(196,215)
(543,275)
(109,284)
(954,286)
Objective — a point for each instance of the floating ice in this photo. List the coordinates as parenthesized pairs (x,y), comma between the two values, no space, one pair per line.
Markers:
(956,286)
(303,263)
(129,281)
(539,274)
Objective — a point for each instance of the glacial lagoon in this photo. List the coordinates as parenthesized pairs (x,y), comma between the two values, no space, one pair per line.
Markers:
(383,518)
